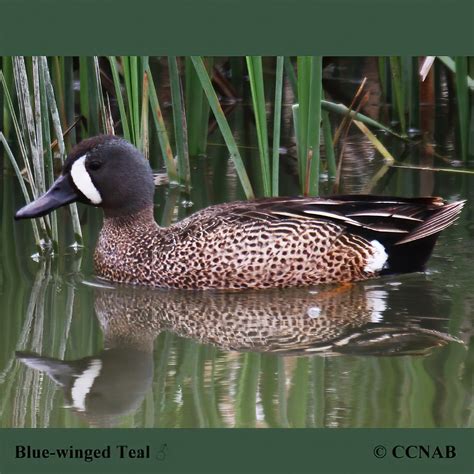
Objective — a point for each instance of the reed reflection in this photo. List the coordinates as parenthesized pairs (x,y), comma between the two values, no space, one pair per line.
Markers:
(368,319)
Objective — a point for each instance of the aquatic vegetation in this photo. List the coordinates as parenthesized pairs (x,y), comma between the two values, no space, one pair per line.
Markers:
(37,113)
(176,374)
(277,125)
(49,104)
(341,369)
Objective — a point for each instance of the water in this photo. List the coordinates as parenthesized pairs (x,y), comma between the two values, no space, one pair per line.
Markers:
(391,352)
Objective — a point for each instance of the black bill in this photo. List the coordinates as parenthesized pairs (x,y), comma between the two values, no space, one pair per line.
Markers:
(60,194)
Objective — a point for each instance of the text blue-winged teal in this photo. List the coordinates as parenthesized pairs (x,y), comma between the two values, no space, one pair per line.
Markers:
(277,242)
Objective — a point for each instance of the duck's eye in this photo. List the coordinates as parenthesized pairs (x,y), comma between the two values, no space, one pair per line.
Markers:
(95,165)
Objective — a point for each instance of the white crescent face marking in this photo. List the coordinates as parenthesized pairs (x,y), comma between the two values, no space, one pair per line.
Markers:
(83,383)
(378,258)
(83,181)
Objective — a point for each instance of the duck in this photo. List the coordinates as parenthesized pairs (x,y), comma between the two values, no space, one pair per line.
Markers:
(263,243)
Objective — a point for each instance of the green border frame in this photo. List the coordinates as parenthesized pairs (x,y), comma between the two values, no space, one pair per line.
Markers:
(234,27)
(238,27)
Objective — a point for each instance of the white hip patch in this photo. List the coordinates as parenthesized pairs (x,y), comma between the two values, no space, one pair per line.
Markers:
(377,260)
(82,385)
(83,181)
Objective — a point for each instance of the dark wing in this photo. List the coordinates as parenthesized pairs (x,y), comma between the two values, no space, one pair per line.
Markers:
(392,219)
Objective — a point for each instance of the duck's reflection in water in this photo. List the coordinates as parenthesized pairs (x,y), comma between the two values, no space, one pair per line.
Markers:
(375,319)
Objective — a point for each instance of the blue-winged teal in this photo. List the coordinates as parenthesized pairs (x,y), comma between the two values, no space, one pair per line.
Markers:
(278,242)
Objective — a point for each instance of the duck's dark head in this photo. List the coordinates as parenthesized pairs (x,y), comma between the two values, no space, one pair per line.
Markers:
(104,171)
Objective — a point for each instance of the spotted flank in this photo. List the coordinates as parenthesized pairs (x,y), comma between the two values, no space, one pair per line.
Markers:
(279,242)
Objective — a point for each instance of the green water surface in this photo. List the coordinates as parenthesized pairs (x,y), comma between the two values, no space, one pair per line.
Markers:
(392,352)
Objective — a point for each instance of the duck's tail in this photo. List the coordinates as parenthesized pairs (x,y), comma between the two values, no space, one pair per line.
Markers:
(437,222)
(411,253)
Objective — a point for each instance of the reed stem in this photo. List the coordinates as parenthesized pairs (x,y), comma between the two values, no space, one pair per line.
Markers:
(309,122)
(197,109)
(22,186)
(223,125)
(277,125)
(161,130)
(61,145)
(179,120)
(254,66)
(118,94)
(399,91)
